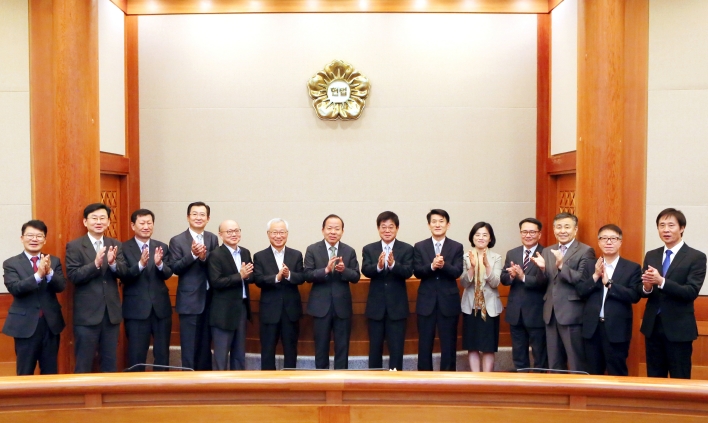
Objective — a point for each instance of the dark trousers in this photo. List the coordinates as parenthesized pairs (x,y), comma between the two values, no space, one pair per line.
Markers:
(42,347)
(103,338)
(601,354)
(230,346)
(447,332)
(323,328)
(565,346)
(139,331)
(288,332)
(394,331)
(521,338)
(195,340)
(666,358)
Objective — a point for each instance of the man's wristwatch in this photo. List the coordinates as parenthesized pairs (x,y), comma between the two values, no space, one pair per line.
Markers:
(609,282)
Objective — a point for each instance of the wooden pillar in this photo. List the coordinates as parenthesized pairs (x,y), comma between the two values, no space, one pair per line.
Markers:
(612,126)
(64,128)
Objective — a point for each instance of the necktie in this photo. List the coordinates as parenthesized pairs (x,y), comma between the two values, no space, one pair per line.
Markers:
(200,239)
(145,247)
(97,245)
(388,250)
(667,262)
(34,261)
(332,252)
(563,249)
(527,260)
(437,248)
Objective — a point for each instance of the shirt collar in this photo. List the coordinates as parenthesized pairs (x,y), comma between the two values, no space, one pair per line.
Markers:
(93,240)
(336,246)
(442,242)
(276,252)
(29,256)
(383,244)
(194,234)
(532,249)
(231,250)
(613,263)
(140,243)
(675,248)
(568,244)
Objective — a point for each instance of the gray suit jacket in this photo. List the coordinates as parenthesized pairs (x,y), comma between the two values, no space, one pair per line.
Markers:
(95,290)
(561,296)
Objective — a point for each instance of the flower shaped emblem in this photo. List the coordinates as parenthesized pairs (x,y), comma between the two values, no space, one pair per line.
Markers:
(338,91)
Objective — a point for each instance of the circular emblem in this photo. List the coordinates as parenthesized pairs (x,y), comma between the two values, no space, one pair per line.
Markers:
(338,91)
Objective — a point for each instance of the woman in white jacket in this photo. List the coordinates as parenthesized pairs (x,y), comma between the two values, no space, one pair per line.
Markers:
(481,305)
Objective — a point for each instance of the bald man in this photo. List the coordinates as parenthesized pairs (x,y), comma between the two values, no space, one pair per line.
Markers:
(230,270)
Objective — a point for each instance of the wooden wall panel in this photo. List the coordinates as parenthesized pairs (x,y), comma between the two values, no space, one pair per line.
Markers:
(132,113)
(612,127)
(64,127)
(162,7)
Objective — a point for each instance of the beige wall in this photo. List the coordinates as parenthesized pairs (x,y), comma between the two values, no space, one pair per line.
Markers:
(451,122)
(111,77)
(678,117)
(15,174)
(564,77)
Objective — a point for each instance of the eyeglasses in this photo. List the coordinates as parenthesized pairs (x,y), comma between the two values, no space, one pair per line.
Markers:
(532,233)
(98,219)
(612,239)
(34,236)
(278,233)
(231,232)
(195,214)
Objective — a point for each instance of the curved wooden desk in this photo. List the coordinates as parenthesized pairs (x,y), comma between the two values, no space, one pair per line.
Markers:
(366,397)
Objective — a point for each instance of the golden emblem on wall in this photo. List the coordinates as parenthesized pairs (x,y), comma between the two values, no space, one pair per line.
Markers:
(338,91)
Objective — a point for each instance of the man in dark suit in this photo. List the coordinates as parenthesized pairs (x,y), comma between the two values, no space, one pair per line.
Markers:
(146,300)
(673,276)
(34,318)
(93,262)
(388,263)
(607,316)
(524,308)
(437,261)
(563,266)
(189,252)
(331,266)
(230,269)
(278,271)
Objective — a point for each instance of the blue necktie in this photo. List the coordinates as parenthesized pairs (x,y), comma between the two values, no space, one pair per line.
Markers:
(667,262)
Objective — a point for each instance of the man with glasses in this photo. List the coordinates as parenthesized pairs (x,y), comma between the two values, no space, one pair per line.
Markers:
(609,295)
(563,266)
(673,276)
(190,251)
(278,271)
(34,318)
(524,309)
(230,269)
(93,264)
